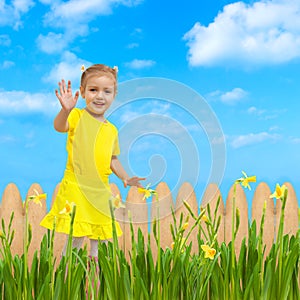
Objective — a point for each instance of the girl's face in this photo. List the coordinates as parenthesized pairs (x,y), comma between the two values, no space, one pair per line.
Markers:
(99,94)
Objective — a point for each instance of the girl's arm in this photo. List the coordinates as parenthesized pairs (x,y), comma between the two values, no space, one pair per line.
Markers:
(67,102)
(118,169)
(61,121)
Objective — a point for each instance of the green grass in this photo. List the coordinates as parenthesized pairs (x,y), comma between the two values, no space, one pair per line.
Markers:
(178,273)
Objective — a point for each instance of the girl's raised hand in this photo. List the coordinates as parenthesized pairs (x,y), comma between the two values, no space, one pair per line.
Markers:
(65,97)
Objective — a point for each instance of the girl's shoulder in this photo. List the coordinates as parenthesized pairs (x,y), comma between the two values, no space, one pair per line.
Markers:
(74,116)
(111,125)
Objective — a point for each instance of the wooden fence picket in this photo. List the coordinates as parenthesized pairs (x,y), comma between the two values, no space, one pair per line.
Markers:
(136,212)
(186,193)
(12,202)
(210,197)
(262,197)
(35,215)
(290,212)
(241,205)
(161,210)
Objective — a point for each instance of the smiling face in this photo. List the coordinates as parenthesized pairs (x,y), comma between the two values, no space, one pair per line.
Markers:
(99,93)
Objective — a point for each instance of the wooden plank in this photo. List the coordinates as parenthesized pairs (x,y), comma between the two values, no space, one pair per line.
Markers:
(262,195)
(12,202)
(186,193)
(136,211)
(162,212)
(241,204)
(35,215)
(210,197)
(290,213)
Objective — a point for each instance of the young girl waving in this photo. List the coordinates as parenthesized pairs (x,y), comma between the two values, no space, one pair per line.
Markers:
(92,147)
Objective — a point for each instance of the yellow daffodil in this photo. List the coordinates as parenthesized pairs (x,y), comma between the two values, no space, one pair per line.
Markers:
(117,202)
(37,197)
(172,245)
(185,225)
(279,191)
(2,236)
(182,244)
(209,252)
(204,219)
(147,192)
(68,208)
(244,181)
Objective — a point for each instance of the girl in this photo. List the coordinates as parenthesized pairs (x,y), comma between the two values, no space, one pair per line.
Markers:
(92,147)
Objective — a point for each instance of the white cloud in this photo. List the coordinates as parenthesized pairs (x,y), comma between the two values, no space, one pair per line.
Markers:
(155,108)
(262,33)
(133,45)
(76,11)
(11,14)
(230,98)
(140,63)
(20,102)
(252,138)
(73,18)
(69,69)
(7,64)
(7,139)
(255,111)
(295,140)
(52,42)
(265,114)
(233,96)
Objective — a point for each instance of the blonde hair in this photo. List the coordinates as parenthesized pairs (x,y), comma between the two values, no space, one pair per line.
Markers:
(99,70)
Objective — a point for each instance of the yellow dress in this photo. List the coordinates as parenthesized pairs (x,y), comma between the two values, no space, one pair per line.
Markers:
(90,146)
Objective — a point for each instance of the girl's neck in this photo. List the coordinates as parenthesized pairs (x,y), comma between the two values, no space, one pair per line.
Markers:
(98,117)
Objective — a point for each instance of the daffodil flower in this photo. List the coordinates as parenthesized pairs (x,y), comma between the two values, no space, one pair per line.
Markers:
(37,197)
(67,210)
(279,191)
(204,219)
(244,181)
(172,245)
(147,192)
(182,243)
(185,225)
(209,252)
(117,202)
(2,236)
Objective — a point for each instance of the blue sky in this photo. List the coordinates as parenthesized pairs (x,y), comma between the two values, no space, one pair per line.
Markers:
(241,58)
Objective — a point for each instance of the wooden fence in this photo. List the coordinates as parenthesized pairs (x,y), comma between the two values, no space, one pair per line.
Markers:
(12,202)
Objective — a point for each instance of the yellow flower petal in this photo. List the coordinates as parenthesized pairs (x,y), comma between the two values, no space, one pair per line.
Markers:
(209,252)
(147,192)
(204,218)
(279,191)
(117,202)
(68,208)
(185,226)
(244,181)
(37,197)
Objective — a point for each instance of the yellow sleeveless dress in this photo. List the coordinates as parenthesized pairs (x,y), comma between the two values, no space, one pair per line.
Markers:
(90,146)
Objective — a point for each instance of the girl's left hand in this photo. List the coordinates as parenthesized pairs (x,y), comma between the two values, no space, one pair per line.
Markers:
(133,181)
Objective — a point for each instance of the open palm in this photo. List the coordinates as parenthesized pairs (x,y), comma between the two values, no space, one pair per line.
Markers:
(65,95)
